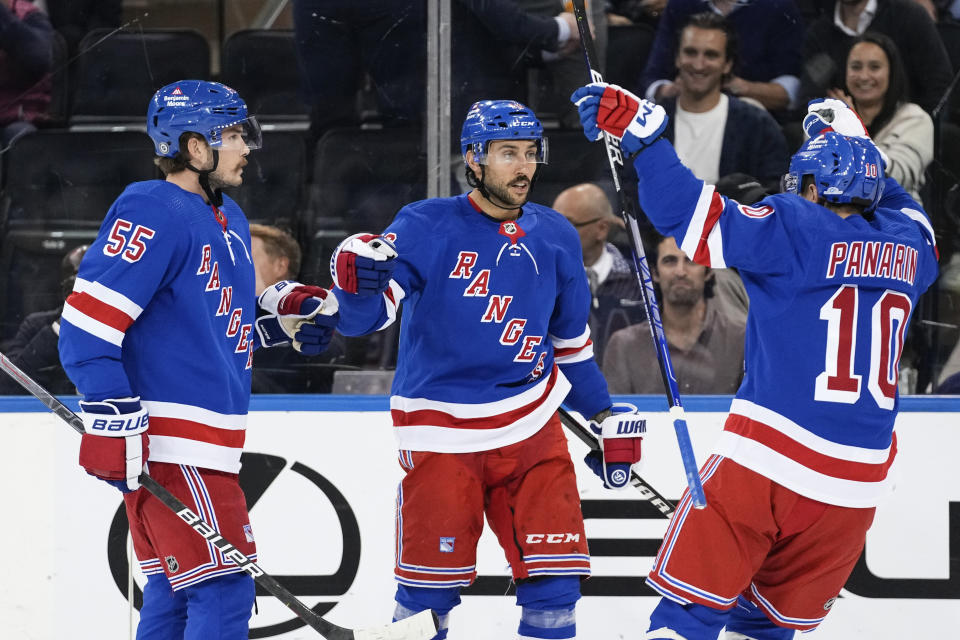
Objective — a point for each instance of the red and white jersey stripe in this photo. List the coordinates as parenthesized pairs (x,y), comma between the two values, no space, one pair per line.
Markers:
(703,240)
(782,450)
(100,311)
(454,427)
(185,434)
(573,349)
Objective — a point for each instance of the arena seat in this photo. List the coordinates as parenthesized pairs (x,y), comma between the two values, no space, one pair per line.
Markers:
(121,71)
(59,179)
(274,181)
(30,272)
(261,64)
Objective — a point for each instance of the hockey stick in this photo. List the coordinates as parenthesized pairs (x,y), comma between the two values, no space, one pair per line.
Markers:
(628,211)
(646,491)
(421,626)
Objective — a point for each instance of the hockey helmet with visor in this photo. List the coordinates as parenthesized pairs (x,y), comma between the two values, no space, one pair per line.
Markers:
(199,106)
(845,170)
(489,120)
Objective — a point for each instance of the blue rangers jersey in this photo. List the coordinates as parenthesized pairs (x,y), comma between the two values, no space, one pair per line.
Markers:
(492,311)
(830,303)
(163,308)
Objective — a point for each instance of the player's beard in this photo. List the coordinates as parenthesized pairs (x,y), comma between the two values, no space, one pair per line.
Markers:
(500,193)
(219,181)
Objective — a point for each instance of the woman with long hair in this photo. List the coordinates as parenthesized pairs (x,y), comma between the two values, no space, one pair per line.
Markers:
(876,87)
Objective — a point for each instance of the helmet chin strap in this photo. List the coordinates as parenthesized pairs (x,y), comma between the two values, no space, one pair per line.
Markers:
(214,196)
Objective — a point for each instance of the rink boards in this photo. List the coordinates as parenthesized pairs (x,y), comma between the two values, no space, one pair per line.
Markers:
(326,470)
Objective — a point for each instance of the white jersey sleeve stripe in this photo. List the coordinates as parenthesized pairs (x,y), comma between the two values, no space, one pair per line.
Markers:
(108,296)
(92,326)
(695,230)
(391,298)
(570,356)
(571,343)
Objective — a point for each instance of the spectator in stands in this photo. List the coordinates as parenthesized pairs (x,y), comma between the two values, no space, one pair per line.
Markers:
(706,344)
(560,73)
(73,19)
(281,369)
(338,41)
(385,39)
(34,348)
(770,35)
(624,13)
(25,59)
(716,134)
(950,386)
(876,88)
(617,301)
(830,37)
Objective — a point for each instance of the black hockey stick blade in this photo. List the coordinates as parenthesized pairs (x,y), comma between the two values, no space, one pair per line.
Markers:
(648,493)
(421,626)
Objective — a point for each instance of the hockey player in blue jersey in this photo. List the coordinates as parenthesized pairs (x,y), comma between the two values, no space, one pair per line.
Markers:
(834,267)
(494,337)
(158,335)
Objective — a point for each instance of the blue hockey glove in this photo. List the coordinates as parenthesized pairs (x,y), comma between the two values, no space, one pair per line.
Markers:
(115,445)
(363,264)
(306,315)
(620,436)
(603,107)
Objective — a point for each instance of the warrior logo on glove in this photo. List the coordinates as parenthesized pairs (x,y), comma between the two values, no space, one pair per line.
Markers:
(620,434)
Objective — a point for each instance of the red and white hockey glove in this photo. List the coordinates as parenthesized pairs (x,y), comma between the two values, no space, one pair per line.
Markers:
(636,122)
(620,436)
(362,264)
(830,114)
(115,445)
(306,314)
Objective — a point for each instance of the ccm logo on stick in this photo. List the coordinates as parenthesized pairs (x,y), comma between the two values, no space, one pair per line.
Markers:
(552,538)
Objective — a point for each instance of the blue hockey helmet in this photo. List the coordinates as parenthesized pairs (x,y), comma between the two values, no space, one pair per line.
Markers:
(845,170)
(500,120)
(200,107)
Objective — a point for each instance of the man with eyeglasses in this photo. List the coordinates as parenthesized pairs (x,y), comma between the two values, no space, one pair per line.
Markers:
(616,300)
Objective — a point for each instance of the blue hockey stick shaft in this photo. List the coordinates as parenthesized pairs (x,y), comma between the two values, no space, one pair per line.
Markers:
(629,209)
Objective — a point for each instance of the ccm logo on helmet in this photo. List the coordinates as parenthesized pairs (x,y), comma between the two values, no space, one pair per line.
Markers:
(552,538)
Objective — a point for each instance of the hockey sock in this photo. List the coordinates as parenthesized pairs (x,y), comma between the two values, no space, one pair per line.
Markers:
(163,615)
(412,600)
(548,607)
(673,621)
(749,622)
(220,607)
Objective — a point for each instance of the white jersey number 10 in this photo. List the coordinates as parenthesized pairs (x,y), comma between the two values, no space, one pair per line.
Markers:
(888,320)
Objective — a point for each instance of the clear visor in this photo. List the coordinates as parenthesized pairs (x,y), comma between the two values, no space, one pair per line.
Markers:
(514,152)
(245,133)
